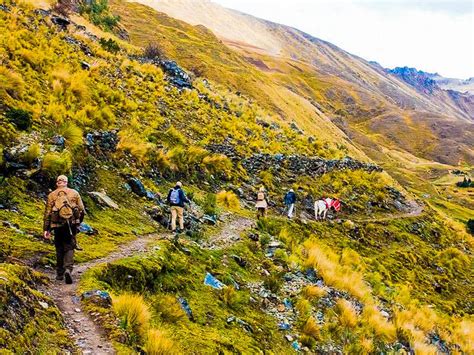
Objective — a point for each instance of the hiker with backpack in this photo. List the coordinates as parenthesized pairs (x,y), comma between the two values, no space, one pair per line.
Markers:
(176,199)
(63,214)
(290,200)
(261,203)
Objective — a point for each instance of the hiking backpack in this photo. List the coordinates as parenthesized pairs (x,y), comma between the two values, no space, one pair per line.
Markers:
(174,197)
(63,207)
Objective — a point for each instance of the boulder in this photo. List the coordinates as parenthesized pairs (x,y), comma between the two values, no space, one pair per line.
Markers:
(137,187)
(98,297)
(102,199)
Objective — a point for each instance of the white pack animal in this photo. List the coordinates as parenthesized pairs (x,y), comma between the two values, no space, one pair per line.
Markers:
(321,207)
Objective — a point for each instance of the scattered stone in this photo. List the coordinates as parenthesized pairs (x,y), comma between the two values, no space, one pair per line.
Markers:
(295,128)
(85,65)
(43,304)
(137,187)
(211,220)
(210,280)
(284,326)
(62,22)
(186,308)
(289,338)
(87,229)
(77,310)
(239,260)
(102,141)
(59,141)
(100,298)
(102,199)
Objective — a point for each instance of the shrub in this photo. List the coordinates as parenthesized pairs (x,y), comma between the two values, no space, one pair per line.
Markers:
(99,13)
(20,118)
(347,313)
(311,292)
(228,199)
(168,308)
(230,297)
(273,282)
(31,154)
(109,45)
(209,206)
(174,137)
(72,134)
(303,306)
(470,226)
(57,163)
(152,51)
(11,84)
(311,328)
(217,164)
(133,313)
(157,343)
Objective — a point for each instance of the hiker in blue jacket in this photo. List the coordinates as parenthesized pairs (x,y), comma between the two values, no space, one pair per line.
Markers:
(289,200)
(176,199)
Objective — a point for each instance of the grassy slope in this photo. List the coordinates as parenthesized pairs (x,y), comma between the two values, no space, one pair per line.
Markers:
(112,80)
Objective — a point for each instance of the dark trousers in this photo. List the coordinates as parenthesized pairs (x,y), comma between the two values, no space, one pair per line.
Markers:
(260,212)
(65,243)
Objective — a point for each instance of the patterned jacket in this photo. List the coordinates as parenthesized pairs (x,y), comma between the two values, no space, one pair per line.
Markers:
(75,201)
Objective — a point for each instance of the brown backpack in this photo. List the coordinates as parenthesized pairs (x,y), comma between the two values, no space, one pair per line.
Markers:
(63,208)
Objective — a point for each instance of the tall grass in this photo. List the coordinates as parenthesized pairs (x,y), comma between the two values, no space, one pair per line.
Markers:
(158,343)
(227,199)
(133,313)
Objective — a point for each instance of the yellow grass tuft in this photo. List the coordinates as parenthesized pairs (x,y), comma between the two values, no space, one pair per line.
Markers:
(158,343)
(374,320)
(339,276)
(133,312)
(72,134)
(228,199)
(347,313)
(312,292)
(311,328)
(168,308)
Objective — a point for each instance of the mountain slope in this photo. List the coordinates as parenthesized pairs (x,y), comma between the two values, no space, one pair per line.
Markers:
(344,86)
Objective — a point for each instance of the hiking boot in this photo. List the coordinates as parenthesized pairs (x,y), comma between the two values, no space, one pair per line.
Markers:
(59,277)
(68,277)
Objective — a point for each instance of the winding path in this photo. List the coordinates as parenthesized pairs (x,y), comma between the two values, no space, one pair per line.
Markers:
(86,333)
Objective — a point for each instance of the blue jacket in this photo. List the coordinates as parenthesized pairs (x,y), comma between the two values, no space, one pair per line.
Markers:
(290,198)
(182,197)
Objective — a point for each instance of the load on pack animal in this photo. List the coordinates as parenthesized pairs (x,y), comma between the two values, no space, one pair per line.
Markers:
(321,207)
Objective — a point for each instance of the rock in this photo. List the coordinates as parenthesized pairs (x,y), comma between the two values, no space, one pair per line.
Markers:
(61,21)
(385,314)
(102,141)
(289,338)
(100,298)
(85,65)
(87,229)
(59,141)
(254,237)
(239,260)
(186,308)
(281,308)
(102,199)
(295,345)
(44,305)
(175,75)
(137,187)
(210,280)
(284,326)
(77,310)
(211,220)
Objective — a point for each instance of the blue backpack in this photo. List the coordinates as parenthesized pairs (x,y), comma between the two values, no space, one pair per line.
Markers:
(174,197)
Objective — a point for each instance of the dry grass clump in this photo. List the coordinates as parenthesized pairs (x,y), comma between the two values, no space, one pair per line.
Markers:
(133,312)
(312,292)
(158,343)
(311,328)
(132,143)
(168,308)
(57,163)
(32,153)
(463,334)
(347,313)
(228,199)
(372,318)
(72,134)
(339,276)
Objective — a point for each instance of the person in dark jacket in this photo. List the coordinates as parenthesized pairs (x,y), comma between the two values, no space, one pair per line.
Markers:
(176,199)
(290,200)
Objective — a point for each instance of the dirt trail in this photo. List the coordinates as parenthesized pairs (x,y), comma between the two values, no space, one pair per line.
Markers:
(229,234)
(87,334)
(415,210)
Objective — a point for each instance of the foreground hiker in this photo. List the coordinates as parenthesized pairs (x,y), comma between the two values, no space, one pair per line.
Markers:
(289,200)
(261,203)
(176,199)
(63,214)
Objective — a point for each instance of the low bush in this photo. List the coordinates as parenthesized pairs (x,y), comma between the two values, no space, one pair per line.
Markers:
(168,308)
(228,200)
(133,313)
(31,154)
(158,343)
(55,164)
(20,118)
